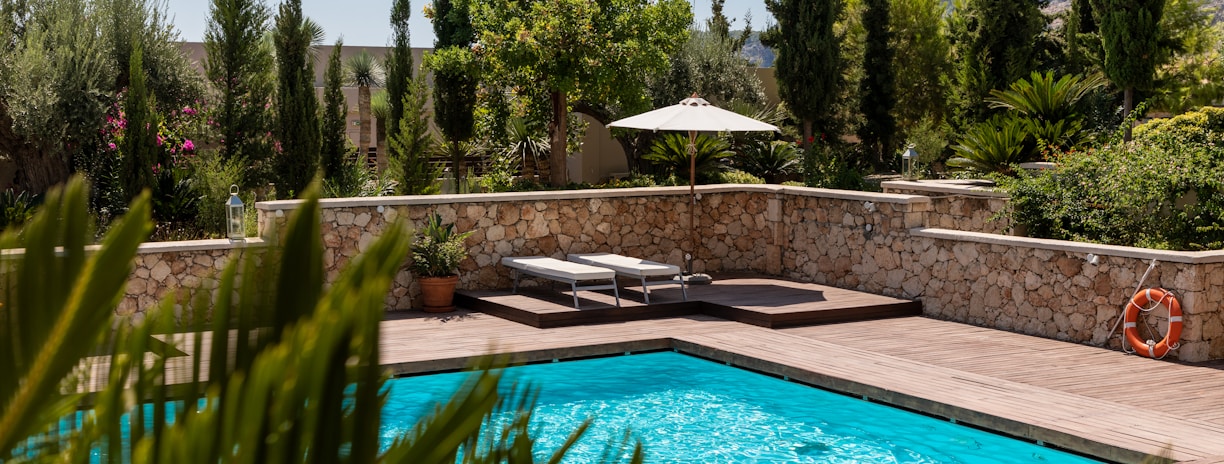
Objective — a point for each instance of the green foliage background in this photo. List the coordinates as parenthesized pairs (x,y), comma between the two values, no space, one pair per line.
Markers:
(1164,190)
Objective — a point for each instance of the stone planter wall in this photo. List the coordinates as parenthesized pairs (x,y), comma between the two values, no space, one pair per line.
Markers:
(959,204)
(1048,288)
(879,243)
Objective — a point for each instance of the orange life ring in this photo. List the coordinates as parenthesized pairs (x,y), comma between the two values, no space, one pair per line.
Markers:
(1140,302)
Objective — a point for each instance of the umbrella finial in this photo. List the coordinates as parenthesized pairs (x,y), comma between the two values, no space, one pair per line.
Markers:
(694,101)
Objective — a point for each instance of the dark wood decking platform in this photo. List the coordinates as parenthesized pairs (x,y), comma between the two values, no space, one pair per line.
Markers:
(763,302)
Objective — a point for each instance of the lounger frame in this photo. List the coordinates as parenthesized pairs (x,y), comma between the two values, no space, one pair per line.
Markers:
(574,287)
(641,277)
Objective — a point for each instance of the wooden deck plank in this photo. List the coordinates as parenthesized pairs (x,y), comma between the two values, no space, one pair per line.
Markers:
(1188,391)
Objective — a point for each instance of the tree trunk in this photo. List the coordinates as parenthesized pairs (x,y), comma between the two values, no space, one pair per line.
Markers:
(363,113)
(807,136)
(38,168)
(1128,105)
(380,141)
(557,132)
(457,161)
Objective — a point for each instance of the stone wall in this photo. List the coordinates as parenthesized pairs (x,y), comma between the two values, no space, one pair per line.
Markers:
(738,227)
(879,243)
(161,268)
(969,205)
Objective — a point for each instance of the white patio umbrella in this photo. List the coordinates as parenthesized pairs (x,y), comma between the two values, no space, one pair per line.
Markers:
(694,115)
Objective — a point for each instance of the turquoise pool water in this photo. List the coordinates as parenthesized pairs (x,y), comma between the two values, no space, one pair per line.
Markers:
(690,410)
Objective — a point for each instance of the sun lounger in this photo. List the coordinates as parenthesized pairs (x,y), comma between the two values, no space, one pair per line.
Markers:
(562,271)
(634,268)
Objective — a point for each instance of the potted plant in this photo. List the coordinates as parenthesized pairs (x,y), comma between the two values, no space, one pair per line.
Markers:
(436,254)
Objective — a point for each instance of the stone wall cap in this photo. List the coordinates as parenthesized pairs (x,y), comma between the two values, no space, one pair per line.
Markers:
(200,245)
(162,247)
(1168,256)
(966,187)
(409,200)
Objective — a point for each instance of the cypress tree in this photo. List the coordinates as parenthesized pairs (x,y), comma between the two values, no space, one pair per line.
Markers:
(1129,34)
(920,61)
(335,110)
(410,144)
(808,61)
(399,61)
(140,132)
(993,45)
(878,87)
(240,69)
(297,108)
(454,85)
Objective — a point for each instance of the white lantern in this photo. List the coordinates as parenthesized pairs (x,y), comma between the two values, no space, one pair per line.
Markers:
(235,215)
(908,161)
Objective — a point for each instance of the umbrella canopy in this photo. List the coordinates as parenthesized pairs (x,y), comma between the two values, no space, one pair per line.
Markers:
(693,114)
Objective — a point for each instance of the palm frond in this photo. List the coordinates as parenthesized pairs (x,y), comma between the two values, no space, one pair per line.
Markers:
(1043,97)
(671,152)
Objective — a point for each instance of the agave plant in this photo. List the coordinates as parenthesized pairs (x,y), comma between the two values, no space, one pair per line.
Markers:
(290,372)
(671,152)
(992,146)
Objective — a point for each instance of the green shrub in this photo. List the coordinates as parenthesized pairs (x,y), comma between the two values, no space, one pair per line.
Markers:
(772,161)
(499,174)
(824,168)
(738,177)
(1160,192)
(358,179)
(929,137)
(634,180)
(15,208)
(1204,125)
(212,177)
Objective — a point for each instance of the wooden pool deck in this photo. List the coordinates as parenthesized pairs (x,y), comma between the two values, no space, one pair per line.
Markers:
(1090,400)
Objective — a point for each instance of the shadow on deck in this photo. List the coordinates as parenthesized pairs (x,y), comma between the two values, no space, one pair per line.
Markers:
(764,302)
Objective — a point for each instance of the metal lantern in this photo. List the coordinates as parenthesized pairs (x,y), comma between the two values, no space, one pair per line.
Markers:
(908,160)
(235,215)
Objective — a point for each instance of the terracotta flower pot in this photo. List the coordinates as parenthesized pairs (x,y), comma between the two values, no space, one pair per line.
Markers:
(438,293)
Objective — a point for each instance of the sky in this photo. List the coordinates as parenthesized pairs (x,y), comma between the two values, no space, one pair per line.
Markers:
(365,22)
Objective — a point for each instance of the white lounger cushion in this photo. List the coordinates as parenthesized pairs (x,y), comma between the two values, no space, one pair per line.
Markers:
(625,265)
(565,270)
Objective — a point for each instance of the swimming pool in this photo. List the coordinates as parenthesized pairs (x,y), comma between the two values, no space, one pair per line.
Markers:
(687,409)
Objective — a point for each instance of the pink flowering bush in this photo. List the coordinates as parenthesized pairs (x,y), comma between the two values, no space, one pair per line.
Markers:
(177,134)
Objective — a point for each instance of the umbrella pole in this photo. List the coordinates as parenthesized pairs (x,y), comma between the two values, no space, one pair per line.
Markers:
(691,277)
